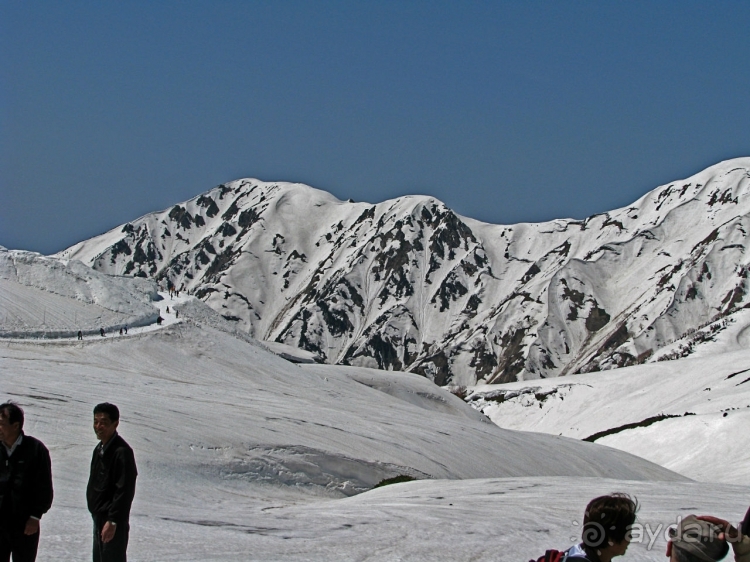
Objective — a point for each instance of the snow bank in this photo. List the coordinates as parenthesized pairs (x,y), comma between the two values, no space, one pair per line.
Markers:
(43,297)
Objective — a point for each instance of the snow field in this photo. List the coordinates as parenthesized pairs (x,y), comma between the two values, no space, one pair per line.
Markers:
(50,298)
(243,455)
(482,519)
(238,449)
(703,404)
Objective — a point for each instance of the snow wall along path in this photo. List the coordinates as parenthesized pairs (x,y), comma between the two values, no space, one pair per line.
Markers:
(43,297)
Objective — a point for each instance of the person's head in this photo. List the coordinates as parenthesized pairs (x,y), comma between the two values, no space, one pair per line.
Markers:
(694,540)
(11,422)
(106,420)
(607,524)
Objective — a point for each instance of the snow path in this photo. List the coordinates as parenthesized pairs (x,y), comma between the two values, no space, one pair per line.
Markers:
(11,291)
(47,298)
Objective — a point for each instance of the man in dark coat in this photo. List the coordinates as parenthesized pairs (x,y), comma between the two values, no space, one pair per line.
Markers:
(111,487)
(25,487)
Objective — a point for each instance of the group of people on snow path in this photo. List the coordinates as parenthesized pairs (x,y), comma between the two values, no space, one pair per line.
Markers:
(174,291)
(159,320)
(608,524)
(174,311)
(102,333)
(26,487)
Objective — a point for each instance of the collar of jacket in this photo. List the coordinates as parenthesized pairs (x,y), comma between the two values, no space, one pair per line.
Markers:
(10,450)
(104,448)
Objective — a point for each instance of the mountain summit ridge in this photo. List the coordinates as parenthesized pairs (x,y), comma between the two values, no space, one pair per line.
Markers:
(408,284)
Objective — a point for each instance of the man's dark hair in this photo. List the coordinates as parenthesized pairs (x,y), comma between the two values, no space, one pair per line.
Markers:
(109,409)
(607,519)
(12,412)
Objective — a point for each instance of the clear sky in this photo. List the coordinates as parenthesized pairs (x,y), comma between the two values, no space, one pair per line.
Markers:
(506,111)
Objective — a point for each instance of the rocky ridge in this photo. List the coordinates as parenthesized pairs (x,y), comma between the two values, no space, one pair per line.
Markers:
(408,284)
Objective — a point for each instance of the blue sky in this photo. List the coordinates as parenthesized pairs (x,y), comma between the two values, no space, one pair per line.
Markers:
(506,111)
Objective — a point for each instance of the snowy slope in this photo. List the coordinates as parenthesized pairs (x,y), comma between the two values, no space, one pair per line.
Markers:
(409,285)
(229,438)
(361,425)
(689,415)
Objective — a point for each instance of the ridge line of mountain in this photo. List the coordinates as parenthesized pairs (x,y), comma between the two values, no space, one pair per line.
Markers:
(408,284)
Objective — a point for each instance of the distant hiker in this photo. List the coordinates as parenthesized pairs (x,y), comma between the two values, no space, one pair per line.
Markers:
(126,330)
(111,487)
(167,309)
(25,486)
(80,335)
(176,313)
(701,544)
(159,320)
(120,331)
(101,331)
(606,531)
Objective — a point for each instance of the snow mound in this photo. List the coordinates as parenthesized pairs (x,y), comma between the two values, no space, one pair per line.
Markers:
(291,353)
(206,410)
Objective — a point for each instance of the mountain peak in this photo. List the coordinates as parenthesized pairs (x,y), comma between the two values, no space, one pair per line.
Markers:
(407,284)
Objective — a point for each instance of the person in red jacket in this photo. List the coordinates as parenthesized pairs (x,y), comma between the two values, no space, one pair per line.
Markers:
(25,487)
(111,487)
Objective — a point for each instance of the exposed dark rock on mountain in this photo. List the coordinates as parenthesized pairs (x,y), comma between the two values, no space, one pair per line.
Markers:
(407,284)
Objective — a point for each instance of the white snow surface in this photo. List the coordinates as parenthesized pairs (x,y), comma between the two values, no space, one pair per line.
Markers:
(702,406)
(238,449)
(243,455)
(240,454)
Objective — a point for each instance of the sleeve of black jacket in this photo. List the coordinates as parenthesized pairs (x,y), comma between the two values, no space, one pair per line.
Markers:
(41,496)
(124,474)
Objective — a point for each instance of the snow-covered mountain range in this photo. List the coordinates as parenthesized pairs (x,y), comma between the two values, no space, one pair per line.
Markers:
(246,456)
(408,284)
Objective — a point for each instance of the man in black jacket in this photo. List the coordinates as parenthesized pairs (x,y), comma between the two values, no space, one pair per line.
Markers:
(111,487)
(25,487)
